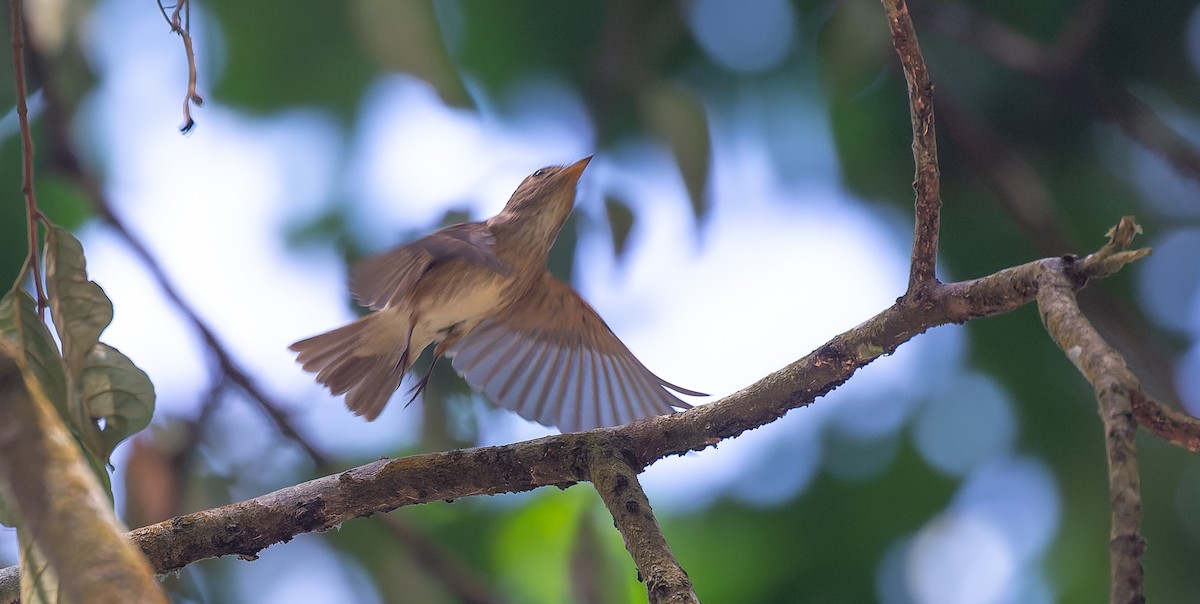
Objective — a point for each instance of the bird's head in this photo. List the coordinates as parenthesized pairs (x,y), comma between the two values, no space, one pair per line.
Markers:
(548,194)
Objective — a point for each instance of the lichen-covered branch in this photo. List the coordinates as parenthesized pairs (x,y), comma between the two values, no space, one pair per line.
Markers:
(10,584)
(927,182)
(617,483)
(1166,423)
(1114,385)
(247,527)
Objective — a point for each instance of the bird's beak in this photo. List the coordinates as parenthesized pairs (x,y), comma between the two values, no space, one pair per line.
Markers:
(575,170)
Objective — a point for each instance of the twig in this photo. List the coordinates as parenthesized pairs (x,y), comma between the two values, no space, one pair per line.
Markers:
(1116,253)
(926,182)
(1114,385)
(180,21)
(33,215)
(617,483)
(1166,423)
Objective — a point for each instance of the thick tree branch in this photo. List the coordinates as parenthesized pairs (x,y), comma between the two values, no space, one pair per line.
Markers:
(927,182)
(617,483)
(59,502)
(10,584)
(247,527)
(1114,385)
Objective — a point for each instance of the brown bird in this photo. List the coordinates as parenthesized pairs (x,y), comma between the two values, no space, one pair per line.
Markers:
(480,291)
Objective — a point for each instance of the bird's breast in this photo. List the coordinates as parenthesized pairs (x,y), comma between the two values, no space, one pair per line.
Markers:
(453,305)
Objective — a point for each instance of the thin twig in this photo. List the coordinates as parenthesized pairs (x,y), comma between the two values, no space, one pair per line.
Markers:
(225,362)
(1114,385)
(926,183)
(617,483)
(180,21)
(1166,423)
(33,215)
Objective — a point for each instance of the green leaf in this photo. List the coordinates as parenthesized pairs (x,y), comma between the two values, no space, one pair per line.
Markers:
(64,198)
(620,222)
(677,117)
(24,331)
(113,390)
(259,51)
(81,310)
(406,37)
(532,548)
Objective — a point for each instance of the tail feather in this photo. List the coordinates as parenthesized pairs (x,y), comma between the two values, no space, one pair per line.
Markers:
(368,379)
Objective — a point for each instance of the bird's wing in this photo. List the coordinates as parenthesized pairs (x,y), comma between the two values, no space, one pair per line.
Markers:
(552,359)
(384,279)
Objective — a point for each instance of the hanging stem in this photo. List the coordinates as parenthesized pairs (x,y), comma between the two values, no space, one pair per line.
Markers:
(33,215)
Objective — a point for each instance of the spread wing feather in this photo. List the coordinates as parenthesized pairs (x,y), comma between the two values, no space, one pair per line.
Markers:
(552,359)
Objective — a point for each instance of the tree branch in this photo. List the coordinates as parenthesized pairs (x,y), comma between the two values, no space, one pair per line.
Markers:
(1114,385)
(926,183)
(10,584)
(1166,423)
(247,527)
(617,483)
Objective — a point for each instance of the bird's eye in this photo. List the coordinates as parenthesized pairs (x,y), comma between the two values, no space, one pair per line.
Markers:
(540,172)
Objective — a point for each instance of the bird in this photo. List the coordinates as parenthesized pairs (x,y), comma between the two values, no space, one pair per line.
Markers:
(481,294)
